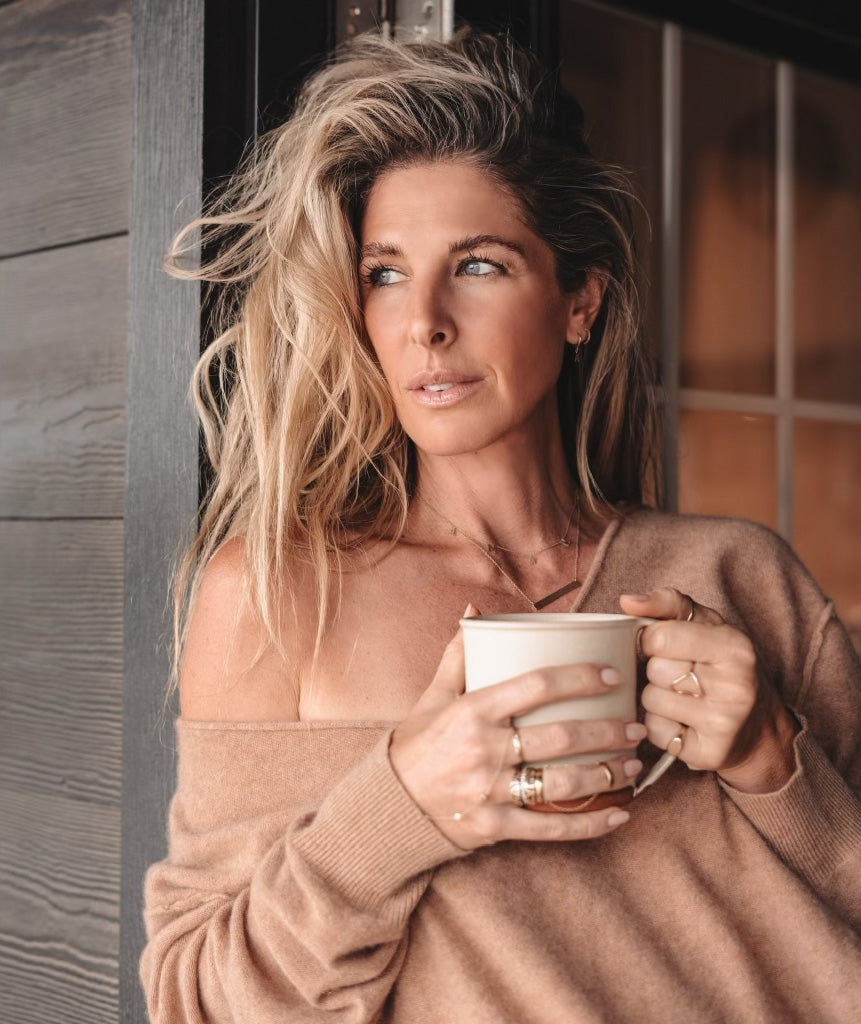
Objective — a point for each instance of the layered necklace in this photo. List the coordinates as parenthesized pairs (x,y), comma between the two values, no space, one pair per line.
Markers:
(488,549)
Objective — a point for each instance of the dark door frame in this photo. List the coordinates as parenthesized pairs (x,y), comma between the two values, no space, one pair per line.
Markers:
(208,75)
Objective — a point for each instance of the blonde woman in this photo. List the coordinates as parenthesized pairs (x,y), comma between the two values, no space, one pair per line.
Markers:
(433,395)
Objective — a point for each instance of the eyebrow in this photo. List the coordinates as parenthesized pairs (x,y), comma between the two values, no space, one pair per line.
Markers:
(462,245)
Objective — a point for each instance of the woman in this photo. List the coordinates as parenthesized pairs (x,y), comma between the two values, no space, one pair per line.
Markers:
(434,396)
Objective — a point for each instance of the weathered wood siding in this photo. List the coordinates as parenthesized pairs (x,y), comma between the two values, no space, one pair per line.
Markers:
(66,92)
(65,128)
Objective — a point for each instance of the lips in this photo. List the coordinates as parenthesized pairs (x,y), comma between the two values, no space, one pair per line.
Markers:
(442,388)
(438,381)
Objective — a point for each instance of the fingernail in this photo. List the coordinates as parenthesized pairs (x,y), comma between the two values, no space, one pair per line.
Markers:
(618,818)
(635,731)
(610,676)
(637,597)
(471,611)
(632,767)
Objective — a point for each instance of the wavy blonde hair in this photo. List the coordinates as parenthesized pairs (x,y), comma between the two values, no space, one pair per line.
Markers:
(308,457)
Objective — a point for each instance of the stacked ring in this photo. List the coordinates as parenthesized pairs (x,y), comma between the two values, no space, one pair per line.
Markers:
(527,786)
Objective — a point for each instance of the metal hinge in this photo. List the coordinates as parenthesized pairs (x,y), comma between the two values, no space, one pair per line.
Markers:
(405,19)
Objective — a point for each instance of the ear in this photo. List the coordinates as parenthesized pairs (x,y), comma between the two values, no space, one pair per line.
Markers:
(585,305)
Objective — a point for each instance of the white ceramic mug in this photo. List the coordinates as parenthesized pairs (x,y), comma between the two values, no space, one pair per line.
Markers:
(499,647)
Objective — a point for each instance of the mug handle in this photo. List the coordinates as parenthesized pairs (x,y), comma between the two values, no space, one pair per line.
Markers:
(642,622)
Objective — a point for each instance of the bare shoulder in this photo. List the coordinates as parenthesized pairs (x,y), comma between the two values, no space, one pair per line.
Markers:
(230,670)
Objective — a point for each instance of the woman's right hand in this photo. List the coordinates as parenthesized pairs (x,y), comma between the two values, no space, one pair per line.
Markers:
(454,754)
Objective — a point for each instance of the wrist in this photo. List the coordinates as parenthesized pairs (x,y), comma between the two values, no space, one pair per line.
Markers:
(771,764)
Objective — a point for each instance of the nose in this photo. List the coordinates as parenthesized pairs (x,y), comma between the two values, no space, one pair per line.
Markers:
(431,322)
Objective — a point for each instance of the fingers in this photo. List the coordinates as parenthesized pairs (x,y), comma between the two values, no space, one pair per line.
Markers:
(687,642)
(662,730)
(669,603)
(561,739)
(534,689)
(499,822)
(570,783)
(565,783)
(449,681)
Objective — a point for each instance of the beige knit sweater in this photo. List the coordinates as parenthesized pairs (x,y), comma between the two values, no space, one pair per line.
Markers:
(303,884)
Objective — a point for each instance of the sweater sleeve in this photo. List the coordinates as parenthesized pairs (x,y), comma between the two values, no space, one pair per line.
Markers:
(814,822)
(269,907)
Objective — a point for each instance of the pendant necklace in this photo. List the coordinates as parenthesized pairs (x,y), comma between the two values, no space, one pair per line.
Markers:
(487,550)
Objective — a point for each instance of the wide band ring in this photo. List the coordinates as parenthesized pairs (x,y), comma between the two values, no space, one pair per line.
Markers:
(677,687)
(674,747)
(527,786)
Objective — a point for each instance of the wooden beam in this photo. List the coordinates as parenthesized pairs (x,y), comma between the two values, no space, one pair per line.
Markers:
(161,491)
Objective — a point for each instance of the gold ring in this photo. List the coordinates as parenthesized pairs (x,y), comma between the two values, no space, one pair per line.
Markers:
(527,786)
(518,745)
(515,788)
(674,747)
(589,799)
(690,674)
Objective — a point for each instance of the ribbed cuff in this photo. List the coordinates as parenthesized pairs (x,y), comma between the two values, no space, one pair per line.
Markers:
(369,839)
(814,821)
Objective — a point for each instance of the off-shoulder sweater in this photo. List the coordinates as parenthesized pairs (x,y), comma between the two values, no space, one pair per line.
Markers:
(303,883)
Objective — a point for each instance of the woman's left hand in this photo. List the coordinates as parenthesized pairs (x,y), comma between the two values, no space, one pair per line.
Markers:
(704,674)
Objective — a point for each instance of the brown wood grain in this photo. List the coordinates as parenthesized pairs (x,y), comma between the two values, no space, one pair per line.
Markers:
(61,633)
(65,97)
(59,889)
(63,323)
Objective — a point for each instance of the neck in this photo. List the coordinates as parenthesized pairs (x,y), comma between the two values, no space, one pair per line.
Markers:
(513,495)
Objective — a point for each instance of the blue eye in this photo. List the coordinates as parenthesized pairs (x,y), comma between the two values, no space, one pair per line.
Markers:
(478,268)
(380,277)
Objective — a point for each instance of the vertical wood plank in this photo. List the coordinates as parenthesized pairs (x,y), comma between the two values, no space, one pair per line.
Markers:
(65,89)
(161,492)
(63,322)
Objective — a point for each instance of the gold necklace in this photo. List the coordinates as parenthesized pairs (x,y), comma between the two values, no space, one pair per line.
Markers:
(486,549)
(532,556)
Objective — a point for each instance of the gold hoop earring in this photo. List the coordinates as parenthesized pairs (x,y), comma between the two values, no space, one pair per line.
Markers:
(582,339)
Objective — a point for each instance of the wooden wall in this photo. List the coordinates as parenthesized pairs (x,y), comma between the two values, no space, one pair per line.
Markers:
(65,130)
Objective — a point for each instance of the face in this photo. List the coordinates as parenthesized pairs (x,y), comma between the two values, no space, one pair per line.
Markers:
(463,308)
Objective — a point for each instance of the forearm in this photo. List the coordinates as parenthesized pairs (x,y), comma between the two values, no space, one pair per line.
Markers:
(813,822)
(311,921)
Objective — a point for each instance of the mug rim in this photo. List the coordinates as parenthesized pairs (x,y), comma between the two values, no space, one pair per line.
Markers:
(551,620)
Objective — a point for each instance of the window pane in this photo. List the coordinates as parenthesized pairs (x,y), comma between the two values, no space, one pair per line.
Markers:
(728,465)
(727,220)
(827,239)
(827,499)
(612,65)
